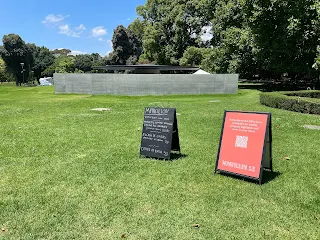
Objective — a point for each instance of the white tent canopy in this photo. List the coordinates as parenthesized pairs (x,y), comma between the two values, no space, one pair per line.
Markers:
(46,81)
(200,71)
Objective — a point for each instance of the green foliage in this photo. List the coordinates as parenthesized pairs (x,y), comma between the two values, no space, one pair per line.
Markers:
(49,71)
(84,62)
(62,64)
(286,34)
(306,94)
(143,59)
(43,58)
(137,28)
(194,56)
(14,51)
(176,30)
(292,101)
(316,64)
(61,52)
(78,71)
(97,60)
(2,70)
(65,64)
(269,38)
(227,14)
(126,47)
(171,27)
(4,74)
(234,54)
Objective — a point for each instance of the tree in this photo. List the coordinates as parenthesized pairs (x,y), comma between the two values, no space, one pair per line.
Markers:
(2,70)
(49,71)
(126,47)
(96,57)
(43,58)
(61,52)
(248,37)
(65,64)
(173,26)
(98,61)
(62,64)
(194,56)
(286,35)
(84,62)
(137,28)
(14,52)
(316,66)
(226,43)
(4,75)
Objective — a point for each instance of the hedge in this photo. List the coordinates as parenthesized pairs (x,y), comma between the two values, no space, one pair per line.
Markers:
(308,94)
(291,101)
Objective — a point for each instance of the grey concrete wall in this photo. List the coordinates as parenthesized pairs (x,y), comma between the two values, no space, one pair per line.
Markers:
(145,84)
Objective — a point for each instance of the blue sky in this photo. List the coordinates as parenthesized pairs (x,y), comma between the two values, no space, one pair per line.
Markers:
(81,26)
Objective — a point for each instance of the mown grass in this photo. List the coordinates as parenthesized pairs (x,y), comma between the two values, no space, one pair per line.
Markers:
(71,173)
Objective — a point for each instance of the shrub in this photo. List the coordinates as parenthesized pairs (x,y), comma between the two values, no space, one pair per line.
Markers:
(291,101)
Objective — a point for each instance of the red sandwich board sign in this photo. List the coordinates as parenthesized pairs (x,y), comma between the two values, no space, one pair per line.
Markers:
(245,144)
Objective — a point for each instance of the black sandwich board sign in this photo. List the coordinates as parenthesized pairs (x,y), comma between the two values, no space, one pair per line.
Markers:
(160,133)
(245,147)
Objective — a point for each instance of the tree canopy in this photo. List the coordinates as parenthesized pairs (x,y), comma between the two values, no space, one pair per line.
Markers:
(268,38)
(84,62)
(126,47)
(43,58)
(4,74)
(14,52)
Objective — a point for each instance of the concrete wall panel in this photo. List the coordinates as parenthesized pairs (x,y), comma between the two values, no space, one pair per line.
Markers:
(145,84)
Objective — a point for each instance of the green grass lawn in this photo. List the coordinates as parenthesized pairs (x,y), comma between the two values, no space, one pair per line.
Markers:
(67,172)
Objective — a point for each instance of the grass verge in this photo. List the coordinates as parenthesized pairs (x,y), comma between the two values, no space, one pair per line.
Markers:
(71,173)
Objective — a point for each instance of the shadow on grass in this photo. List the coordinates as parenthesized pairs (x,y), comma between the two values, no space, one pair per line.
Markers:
(174,157)
(267,176)
(177,156)
(259,87)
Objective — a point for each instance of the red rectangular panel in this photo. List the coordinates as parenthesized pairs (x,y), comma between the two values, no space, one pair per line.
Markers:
(242,142)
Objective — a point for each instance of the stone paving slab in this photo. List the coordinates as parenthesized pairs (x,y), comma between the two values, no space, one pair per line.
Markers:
(313,127)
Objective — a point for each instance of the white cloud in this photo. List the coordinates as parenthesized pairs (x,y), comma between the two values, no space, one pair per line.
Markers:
(57,21)
(80,28)
(206,33)
(76,52)
(66,30)
(99,31)
(53,19)
(100,39)
(110,43)
(106,54)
